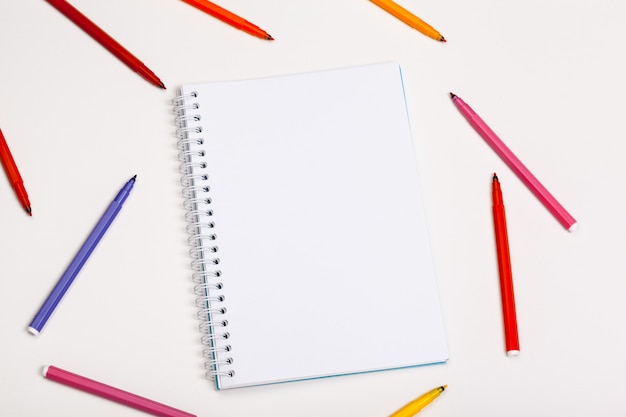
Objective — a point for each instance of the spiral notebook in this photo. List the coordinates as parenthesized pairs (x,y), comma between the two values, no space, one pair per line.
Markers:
(310,249)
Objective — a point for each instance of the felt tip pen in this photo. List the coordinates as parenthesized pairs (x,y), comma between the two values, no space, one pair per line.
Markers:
(111,393)
(507,294)
(10,167)
(79,260)
(415,406)
(523,173)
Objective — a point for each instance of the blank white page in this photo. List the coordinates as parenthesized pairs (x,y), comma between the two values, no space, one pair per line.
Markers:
(318,216)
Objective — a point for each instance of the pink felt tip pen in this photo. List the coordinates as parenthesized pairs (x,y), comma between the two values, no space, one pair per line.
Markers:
(533,184)
(110,393)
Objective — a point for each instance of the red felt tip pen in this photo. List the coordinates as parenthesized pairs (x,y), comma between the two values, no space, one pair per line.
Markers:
(106,41)
(230,18)
(14,175)
(504,267)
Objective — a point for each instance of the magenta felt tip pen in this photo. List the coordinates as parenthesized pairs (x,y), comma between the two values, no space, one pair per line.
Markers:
(111,393)
(533,184)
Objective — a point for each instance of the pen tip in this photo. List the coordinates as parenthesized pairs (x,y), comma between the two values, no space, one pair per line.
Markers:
(134,178)
(495,177)
(442,39)
(443,387)
(29,211)
(163,86)
(269,37)
(452,95)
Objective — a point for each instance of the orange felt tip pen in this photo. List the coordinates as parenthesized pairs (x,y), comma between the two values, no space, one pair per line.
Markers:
(409,18)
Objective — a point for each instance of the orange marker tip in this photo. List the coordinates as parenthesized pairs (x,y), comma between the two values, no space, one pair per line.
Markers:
(443,39)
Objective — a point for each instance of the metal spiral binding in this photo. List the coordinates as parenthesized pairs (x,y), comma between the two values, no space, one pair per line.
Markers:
(202,239)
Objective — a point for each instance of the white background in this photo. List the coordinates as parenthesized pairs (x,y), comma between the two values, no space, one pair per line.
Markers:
(548,76)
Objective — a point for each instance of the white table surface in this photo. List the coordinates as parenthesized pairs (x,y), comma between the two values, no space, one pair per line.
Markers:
(548,76)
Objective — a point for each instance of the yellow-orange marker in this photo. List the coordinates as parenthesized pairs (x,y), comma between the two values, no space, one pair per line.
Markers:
(418,404)
(409,18)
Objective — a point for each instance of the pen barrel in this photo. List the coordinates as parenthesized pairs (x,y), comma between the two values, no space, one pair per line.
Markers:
(523,173)
(66,280)
(6,158)
(502,246)
(228,17)
(409,18)
(10,167)
(506,277)
(105,40)
(72,270)
(218,13)
(94,31)
(415,406)
(111,393)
